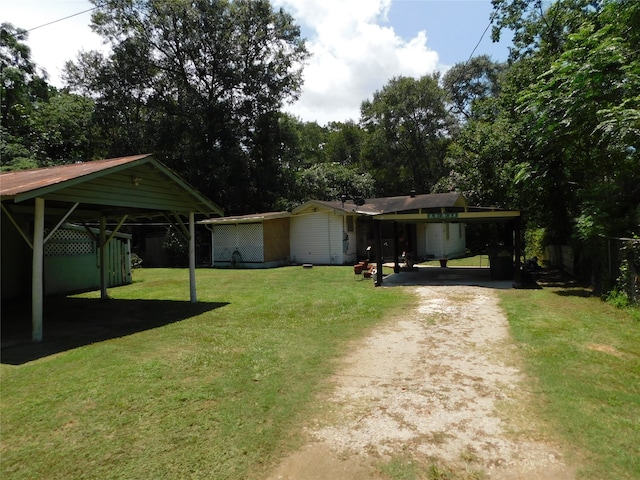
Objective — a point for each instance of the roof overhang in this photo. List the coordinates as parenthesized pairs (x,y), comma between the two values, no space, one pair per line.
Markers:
(253,218)
(137,186)
(427,208)
(444,217)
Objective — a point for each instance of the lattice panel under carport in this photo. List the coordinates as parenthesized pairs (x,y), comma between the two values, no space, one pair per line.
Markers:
(66,242)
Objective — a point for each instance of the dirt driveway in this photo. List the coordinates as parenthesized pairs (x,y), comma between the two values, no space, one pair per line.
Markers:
(440,387)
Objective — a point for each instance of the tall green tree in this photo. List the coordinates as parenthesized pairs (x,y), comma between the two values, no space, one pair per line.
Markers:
(22,86)
(469,83)
(408,129)
(199,83)
(586,108)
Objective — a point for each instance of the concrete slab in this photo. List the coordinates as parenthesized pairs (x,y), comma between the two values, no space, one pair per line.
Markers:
(426,275)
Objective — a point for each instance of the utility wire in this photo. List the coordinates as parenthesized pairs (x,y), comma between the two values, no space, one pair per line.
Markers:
(64,18)
(493,16)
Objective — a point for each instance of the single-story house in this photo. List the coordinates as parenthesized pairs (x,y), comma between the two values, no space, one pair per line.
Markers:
(338,233)
(335,233)
(250,241)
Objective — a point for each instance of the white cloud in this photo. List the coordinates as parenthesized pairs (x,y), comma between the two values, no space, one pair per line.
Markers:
(353,55)
(56,43)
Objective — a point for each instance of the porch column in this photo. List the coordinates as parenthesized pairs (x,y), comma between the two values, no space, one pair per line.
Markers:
(192,258)
(396,261)
(517,273)
(378,228)
(37,271)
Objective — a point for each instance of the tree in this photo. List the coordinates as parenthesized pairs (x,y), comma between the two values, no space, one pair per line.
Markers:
(470,82)
(540,27)
(22,85)
(198,82)
(331,180)
(344,143)
(408,126)
(586,108)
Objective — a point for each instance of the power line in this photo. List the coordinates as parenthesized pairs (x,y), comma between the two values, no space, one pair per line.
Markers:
(64,18)
(493,15)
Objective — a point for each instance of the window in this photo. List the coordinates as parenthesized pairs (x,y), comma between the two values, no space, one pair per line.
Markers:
(350,224)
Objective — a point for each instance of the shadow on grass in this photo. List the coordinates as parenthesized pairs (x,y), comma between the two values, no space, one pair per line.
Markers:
(74,322)
(565,284)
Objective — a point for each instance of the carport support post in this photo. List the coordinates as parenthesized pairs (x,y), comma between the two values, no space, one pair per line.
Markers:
(37,272)
(378,228)
(103,257)
(518,252)
(396,248)
(192,258)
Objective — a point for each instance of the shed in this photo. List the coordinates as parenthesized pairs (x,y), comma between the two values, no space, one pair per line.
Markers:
(250,241)
(71,260)
(36,203)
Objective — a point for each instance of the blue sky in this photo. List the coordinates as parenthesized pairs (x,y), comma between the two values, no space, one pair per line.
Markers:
(357,45)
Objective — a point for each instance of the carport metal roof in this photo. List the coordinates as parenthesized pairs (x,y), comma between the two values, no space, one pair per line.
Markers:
(134,187)
(138,186)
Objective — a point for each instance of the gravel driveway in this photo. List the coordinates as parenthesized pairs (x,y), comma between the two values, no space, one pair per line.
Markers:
(440,386)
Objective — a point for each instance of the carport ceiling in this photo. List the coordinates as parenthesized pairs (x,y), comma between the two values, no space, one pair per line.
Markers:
(137,186)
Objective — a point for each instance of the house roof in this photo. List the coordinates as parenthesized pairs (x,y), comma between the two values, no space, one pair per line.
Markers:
(252,218)
(433,207)
(385,205)
(137,185)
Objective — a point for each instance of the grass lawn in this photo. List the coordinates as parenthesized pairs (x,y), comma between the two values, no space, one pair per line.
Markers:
(213,390)
(585,355)
(147,385)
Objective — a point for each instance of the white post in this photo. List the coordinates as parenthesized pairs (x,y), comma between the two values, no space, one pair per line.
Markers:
(192,258)
(103,259)
(213,247)
(37,278)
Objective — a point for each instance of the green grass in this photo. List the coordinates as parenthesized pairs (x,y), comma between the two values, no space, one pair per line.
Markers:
(585,356)
(216,390)
(161,388)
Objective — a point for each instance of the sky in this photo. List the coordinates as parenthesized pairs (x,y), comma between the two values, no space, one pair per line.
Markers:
(357,46)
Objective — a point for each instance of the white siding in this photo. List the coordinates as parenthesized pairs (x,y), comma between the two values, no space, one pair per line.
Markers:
(421,240)
(457,244)
(437,243)
(319,238)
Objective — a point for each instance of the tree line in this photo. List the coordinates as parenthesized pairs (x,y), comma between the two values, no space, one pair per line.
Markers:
(202,84)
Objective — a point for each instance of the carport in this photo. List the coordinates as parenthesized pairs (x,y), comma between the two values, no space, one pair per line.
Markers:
(442,208)
(38,202)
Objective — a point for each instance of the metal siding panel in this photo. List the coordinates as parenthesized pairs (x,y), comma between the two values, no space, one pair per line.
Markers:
(336,235)
(309,238)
